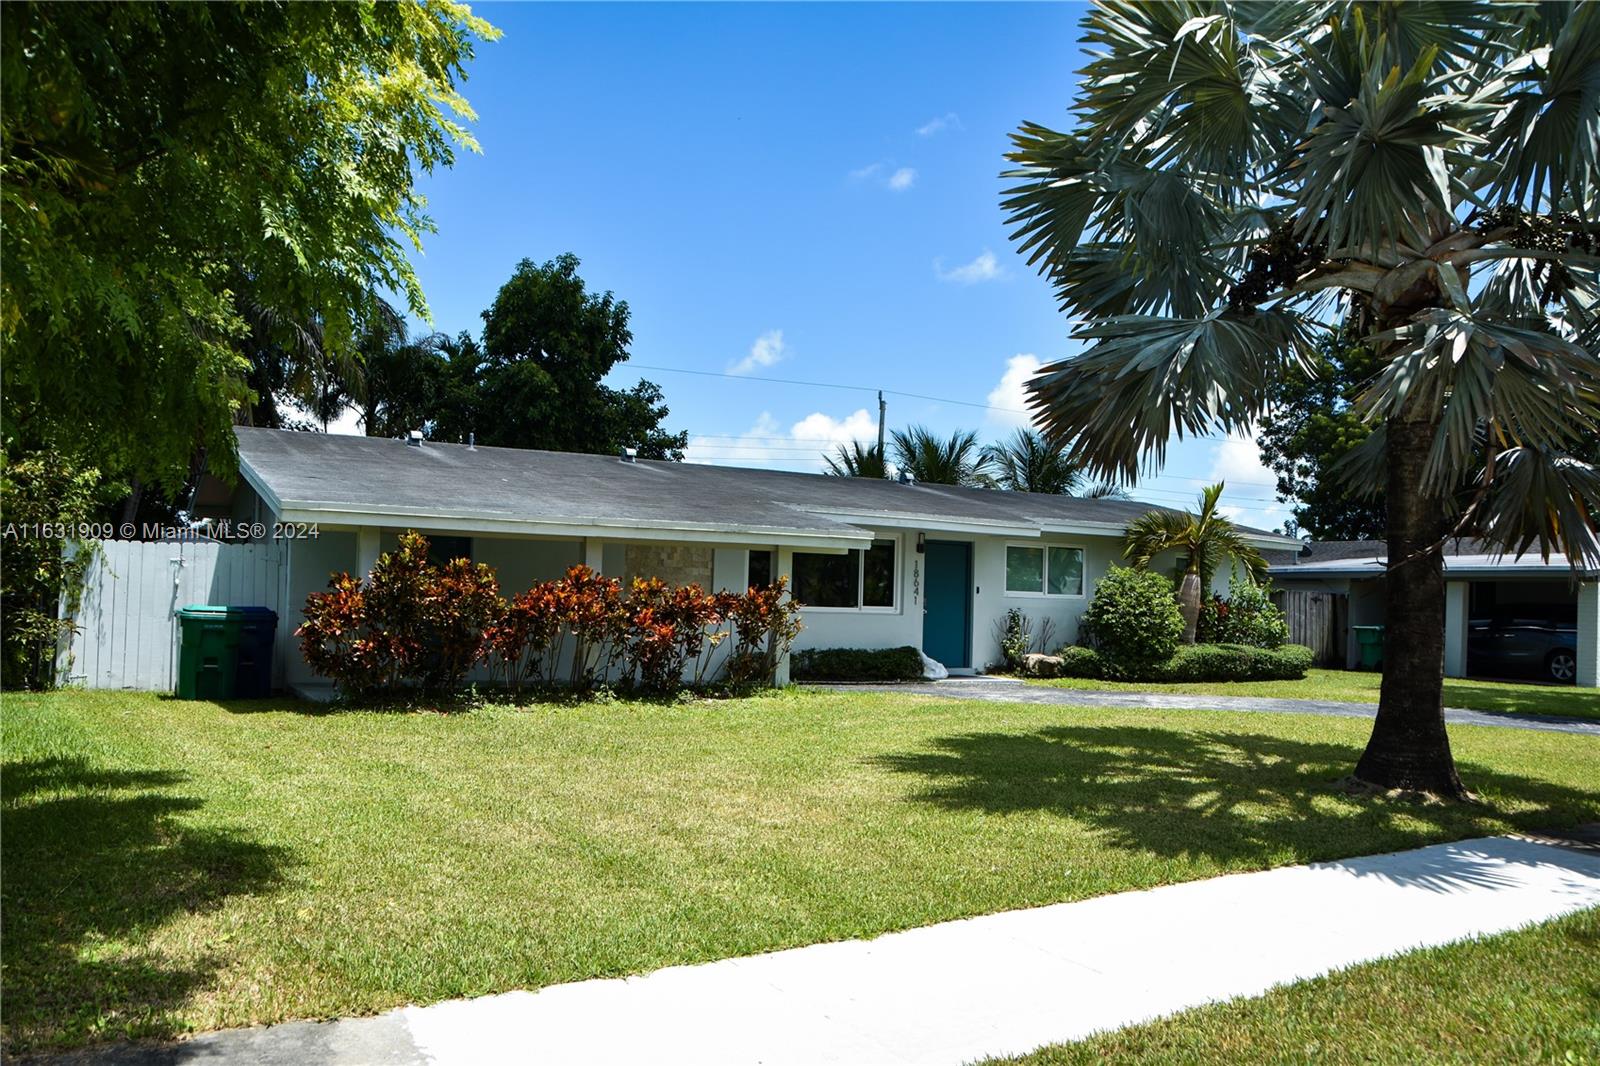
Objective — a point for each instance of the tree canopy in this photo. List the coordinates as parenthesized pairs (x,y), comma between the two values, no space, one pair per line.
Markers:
(160,160)
(535,381)
(1310,426)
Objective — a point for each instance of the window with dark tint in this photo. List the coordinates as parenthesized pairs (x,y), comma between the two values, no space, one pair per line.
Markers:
(827,580)
(877,575)
(855,579)
(442,550)
(760,569)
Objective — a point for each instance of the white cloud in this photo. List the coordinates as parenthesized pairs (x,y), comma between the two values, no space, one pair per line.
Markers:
(1250,483)
(1238,460)
(799,447)
(948,121)
(984,268)
(767,350)
(897,180)
(1008,401)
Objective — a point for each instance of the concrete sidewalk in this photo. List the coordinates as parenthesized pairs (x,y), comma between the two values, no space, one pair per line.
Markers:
(1012,690)
(950,993)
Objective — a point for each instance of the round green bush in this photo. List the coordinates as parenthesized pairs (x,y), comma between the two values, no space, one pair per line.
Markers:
(1134,621)
(1246,616)
(1078,661)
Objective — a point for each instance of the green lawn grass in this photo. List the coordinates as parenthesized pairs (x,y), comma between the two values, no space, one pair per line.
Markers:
(173,866)
(1528,996)
(1361,687)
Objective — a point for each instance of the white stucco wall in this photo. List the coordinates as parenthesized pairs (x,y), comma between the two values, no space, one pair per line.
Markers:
(311,564)
(520,562)
(990,601)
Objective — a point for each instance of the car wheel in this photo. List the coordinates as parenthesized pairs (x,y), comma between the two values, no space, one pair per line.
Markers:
(1562,665)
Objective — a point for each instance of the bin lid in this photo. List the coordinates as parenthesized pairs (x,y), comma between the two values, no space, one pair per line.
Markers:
(212,610)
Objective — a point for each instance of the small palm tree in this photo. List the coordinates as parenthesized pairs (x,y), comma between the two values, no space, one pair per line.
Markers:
(856,460)
(953,460)
(1028,462)
(1205,539)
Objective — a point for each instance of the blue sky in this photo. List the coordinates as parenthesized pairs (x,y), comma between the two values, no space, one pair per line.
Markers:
(807,192)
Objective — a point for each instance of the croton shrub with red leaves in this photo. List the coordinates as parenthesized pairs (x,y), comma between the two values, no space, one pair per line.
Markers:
(411,624)
(416,625)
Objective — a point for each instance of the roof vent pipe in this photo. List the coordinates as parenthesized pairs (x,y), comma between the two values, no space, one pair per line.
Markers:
(414,438)
(629,455)
(472,442)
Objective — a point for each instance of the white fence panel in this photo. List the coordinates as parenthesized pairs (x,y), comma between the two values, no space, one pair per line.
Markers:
(127,636)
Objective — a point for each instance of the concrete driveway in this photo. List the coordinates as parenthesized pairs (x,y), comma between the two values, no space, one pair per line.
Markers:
(1010,690)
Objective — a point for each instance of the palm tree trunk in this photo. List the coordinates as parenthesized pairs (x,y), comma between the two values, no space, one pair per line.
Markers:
(1189,604)
(1409,748)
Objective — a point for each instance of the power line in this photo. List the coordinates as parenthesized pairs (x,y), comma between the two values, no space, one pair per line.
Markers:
(827,385)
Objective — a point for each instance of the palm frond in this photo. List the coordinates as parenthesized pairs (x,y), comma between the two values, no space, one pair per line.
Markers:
(953,460)
(856,460)
(1148,378)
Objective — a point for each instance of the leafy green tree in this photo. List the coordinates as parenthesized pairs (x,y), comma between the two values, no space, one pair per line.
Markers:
(1204,541)
(856,460)
(156,157)
(1310,425)
(547,343)
(403,380)
(46,500)
(953,460)
(1028,462)
(1244,178)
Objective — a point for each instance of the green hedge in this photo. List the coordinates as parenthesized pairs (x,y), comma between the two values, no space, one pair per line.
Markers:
(1200,662)
(857,664)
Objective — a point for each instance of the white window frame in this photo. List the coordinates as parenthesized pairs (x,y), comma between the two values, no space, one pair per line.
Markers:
(1044,570)
(861,581)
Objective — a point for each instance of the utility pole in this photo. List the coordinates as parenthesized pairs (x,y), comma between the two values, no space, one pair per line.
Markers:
(881,409)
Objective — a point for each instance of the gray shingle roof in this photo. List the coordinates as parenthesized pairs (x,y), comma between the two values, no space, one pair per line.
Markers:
(1329,551)
(378,475)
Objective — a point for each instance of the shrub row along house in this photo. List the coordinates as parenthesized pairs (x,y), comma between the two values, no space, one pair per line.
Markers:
(875,564)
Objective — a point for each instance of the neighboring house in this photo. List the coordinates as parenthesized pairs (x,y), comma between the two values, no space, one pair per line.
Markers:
(1504,616)
(875,563)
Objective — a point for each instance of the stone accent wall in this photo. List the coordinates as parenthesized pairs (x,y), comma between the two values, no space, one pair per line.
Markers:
(676,564)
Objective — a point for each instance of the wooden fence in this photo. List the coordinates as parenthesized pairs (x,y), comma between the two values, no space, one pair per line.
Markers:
(127,625)
(1317,620)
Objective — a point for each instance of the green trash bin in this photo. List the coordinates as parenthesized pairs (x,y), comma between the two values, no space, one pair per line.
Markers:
(208,652)
(1370,640)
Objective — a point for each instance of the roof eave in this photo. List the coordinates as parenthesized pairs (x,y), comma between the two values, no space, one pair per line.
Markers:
(456,521)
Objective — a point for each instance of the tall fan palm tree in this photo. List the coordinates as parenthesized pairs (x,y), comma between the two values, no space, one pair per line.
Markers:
(953,460)
(1244,177)
(1205,539)
(856,460)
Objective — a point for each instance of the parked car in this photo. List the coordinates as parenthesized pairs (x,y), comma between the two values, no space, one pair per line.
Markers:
(1523,647)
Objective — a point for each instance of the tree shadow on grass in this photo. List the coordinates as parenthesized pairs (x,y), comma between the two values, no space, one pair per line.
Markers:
(1556,702)
(96,860)
(1238,799)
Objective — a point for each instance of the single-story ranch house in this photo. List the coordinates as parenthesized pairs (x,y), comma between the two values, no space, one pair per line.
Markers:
(876,563)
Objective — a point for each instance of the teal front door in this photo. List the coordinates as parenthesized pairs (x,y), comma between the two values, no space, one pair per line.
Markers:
(947,603)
